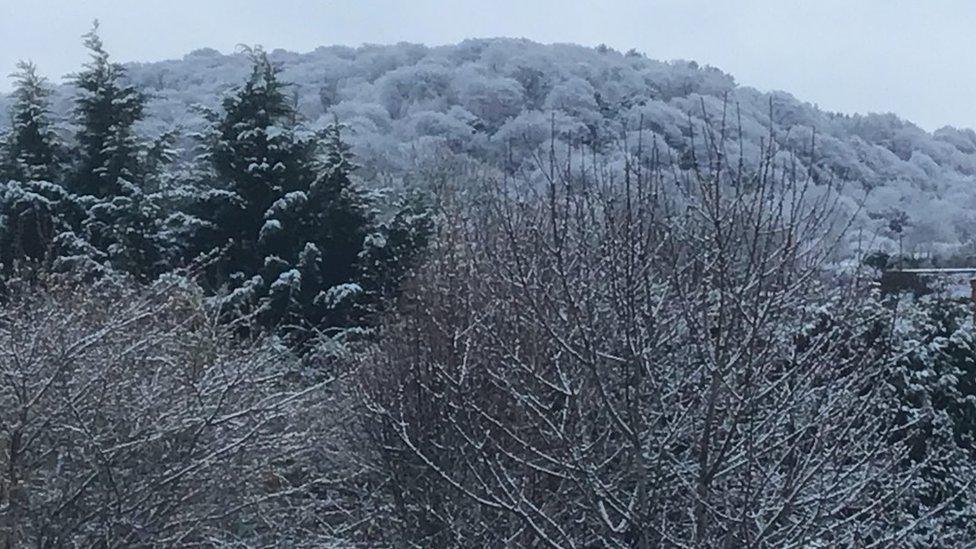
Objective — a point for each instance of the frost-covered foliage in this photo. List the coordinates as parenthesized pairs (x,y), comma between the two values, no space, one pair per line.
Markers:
(32,150)
(106,109)
(597,363)
(935,342)
(130,418)
(265,208)
(498,101)
(294,221)
(33,215)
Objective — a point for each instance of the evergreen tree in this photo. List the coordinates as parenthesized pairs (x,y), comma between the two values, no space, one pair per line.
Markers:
(319,232)
(259,157)
(33,216)
(198,207)
(126,229)
(264,167)
(31,150)
(116,171)
(106,110)
(394,249)
(287,204)
(34,210)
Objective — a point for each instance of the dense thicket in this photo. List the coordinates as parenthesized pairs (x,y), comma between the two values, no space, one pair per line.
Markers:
(631,361)
(131,417)
(641,360)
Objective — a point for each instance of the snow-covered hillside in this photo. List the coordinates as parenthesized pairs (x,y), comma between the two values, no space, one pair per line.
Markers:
(495,101)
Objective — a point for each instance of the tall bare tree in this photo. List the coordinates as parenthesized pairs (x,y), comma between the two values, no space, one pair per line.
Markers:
(648,356)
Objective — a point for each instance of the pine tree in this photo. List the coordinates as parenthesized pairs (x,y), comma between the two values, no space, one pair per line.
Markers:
(321,233)
(106,110)
(297,223)
(34,209)
(116,172)
(33,215)
(335,264)
(294,221)
(126,228)
(394,249)
(259,157)
(31,150)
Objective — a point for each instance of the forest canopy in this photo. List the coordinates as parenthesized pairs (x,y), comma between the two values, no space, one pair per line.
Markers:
(493,101)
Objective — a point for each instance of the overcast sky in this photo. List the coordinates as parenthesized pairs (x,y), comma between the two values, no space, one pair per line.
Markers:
(914,58)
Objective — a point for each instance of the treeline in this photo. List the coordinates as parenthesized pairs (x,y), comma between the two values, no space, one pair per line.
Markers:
(493,101)
(265,213)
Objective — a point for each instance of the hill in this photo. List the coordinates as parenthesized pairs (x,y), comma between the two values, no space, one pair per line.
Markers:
(496,101)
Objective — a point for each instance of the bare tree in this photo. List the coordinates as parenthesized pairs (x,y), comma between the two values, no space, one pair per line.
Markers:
(646,356)
(131,418)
